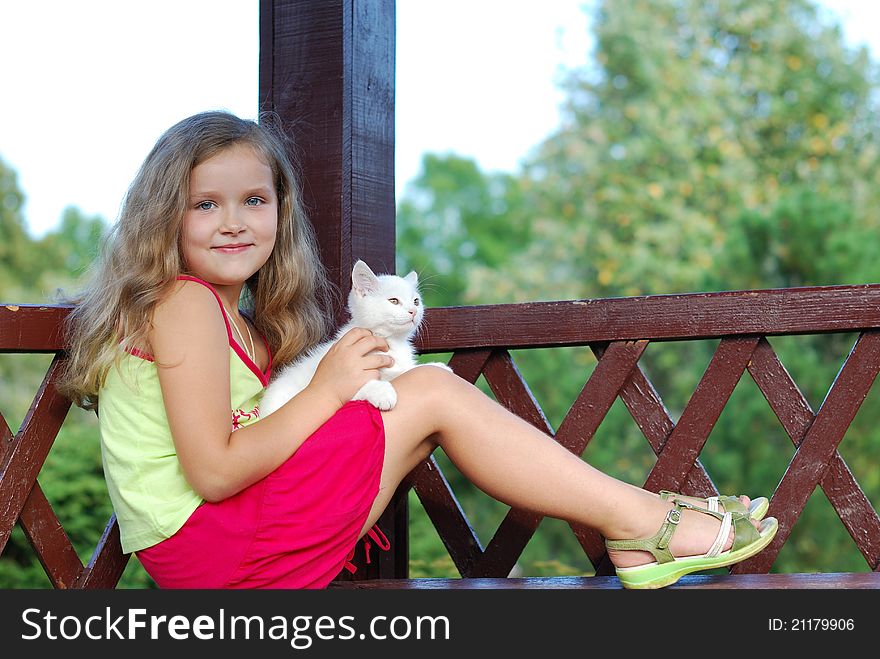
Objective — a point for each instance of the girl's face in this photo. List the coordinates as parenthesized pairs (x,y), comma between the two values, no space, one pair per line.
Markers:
(232,217)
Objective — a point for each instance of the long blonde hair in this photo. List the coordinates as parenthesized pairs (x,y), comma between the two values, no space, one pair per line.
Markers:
(136,268)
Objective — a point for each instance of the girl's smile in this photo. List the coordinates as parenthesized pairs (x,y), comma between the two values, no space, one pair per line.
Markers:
(235,248)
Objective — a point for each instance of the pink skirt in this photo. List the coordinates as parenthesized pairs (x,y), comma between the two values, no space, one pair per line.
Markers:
(296,528)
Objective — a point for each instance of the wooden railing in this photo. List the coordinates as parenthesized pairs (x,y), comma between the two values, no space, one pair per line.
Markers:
(618,332)
(37,329)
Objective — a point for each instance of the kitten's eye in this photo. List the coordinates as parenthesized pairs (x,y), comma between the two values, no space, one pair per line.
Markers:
(416,302)
(393,300)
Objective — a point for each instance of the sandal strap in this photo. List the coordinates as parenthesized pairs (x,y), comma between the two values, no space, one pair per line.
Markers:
(744,531)
(657,544)
(731,503)
(723,534)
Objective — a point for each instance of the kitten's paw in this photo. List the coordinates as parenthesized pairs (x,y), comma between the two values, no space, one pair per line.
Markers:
(379,394)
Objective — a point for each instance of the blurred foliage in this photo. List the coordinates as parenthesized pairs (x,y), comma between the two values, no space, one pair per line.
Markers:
(39,271)
(696,116)
(709,146)
(454,215)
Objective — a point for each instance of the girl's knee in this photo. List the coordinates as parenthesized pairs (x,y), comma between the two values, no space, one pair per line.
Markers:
(428,378)
(428,388)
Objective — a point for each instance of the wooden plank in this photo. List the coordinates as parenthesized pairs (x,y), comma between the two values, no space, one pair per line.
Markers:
(32,328)
(42,528)
(6,438)
(446,515)
(684,445)
(854,509)
(108,562)
(23,460)
(468,364)
(507,544)
(512,391)
(588,412)
(839,484)
(651,416)
(779,389)
(814,454)
(370,58)
(657,317)
(598,394)
(518,526)
(48,538)
(844,580)
(327,69)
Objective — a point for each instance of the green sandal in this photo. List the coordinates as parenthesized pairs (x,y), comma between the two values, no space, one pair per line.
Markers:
(668,569)
(757,507)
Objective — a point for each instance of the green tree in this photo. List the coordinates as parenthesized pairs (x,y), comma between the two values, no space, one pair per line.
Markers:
(16,267)
(35,271)
(694,113)
(453,218)
(806,238)
(709,146)
(68,251)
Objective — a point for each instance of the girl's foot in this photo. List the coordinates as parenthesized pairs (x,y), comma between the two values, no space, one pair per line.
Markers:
(694,534)
(673,554)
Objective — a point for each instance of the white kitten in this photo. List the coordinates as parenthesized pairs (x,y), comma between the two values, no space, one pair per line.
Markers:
(388,305)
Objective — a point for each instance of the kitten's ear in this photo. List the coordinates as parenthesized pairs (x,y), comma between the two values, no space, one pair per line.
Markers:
(412,278)
(362,278)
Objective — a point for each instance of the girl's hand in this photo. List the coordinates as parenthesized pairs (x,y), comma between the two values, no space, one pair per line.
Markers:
(351,362)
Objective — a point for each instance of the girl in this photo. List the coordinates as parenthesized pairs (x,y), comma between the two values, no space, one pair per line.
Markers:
(207,494)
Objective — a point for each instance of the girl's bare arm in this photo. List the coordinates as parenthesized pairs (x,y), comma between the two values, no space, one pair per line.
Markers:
(190,346)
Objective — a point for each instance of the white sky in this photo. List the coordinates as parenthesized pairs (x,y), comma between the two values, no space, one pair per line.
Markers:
(89,85)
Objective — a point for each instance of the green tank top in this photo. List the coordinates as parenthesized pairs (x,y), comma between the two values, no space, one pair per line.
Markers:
(150,496)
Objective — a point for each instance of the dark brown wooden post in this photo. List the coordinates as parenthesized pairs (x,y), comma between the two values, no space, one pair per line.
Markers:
(327,69)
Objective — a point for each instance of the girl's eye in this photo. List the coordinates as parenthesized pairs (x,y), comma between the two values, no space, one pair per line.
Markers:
(393,300)
(205,205)
(253,201)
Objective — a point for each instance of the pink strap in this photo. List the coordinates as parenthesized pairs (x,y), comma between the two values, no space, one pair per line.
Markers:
(262,376)
(378,537)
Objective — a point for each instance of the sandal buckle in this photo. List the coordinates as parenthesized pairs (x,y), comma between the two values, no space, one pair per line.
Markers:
(673,516)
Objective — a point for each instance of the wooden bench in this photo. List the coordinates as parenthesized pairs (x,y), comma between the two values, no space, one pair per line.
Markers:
(480,340)
(837,580)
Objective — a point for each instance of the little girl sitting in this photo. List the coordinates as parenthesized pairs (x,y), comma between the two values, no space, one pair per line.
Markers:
(208,494)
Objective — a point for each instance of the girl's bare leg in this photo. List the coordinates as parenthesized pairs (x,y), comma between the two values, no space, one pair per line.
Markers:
(515,463)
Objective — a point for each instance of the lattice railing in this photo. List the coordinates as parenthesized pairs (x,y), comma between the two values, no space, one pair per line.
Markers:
(37,329)
(618,331)
(481,338)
